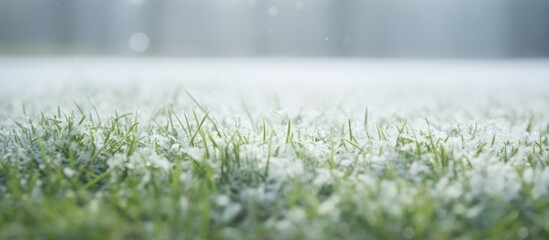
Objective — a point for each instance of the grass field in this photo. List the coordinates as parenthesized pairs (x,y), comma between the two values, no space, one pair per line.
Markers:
(180,162)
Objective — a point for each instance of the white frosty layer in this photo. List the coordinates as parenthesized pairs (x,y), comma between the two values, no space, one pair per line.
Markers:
(371,136)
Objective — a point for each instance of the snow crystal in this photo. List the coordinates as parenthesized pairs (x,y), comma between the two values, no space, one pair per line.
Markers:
(408,233)
(69,172)
(297,214)
(231,211)
(139,160)
(94,205)
(139,42)
(329,205)
(222,200)
(184,202)
(523,232)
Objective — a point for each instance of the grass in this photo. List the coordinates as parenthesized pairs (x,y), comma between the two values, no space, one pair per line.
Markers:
(180,168)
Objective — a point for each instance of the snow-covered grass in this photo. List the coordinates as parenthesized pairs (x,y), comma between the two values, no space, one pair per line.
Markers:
(179,162)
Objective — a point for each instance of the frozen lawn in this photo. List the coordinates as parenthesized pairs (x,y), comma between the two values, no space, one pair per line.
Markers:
(273,149)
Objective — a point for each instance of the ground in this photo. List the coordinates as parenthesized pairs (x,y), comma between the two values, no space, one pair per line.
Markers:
(273,149)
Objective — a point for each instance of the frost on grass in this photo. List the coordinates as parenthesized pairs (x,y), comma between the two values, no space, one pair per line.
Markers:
(216,165)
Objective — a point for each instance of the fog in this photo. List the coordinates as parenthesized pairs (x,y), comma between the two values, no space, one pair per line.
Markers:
(257,28)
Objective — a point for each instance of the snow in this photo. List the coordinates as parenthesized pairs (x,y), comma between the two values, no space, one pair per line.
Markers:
(458,104)
(139,42)
(280,73)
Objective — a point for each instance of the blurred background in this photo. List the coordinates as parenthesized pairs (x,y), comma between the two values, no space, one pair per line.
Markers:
(302,28)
